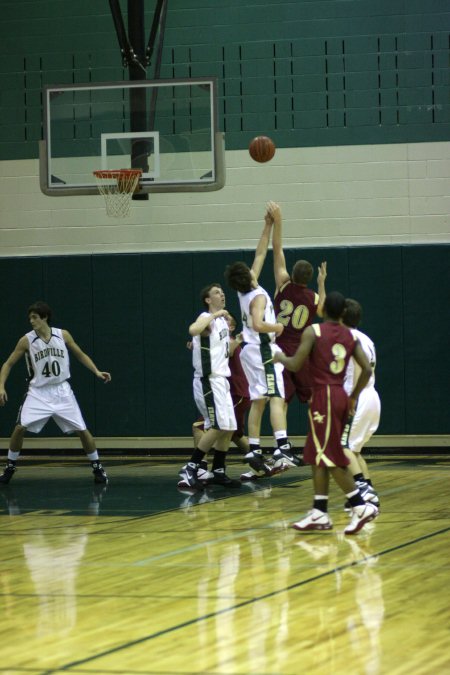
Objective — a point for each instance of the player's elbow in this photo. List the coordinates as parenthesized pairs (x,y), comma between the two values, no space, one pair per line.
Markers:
(259,326)
(193,330)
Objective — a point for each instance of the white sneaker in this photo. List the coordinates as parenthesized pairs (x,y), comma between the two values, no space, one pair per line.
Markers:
(279,466)
(361,515)
(269,470)
(315,520)
(252,475)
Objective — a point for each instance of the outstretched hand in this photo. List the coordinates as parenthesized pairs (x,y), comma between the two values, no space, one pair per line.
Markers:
(322,272)
(274,211)
(268,218)
(106,377)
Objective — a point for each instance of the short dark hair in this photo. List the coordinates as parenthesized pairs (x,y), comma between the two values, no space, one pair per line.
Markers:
(238,277)
(204,293)
(302,272)
(41,309)
(352,313)
(334,305)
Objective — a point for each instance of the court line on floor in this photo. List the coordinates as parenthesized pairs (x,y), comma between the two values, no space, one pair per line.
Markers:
(240,605)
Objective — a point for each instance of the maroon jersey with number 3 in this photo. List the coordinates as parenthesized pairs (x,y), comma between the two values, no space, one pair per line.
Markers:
(328,412)
(331,353)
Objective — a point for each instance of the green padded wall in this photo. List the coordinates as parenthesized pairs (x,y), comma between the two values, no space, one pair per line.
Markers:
(308,73)
(131,313)
(426,330)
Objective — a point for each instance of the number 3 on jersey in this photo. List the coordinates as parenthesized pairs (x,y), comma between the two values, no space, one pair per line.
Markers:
(52,370)
(338,364)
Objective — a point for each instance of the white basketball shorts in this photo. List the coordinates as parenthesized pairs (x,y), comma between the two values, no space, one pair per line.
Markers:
(53,400)
(213,400)
(366,419)
(265,378)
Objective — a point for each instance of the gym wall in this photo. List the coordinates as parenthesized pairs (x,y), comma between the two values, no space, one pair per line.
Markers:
(131,312)
(355,95)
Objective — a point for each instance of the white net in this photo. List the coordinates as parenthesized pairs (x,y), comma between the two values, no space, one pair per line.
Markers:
(117,187)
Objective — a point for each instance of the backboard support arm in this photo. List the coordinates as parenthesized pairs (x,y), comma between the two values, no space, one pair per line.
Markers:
(128,54)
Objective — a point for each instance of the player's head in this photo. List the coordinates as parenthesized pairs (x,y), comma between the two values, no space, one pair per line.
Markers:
(205,294)
(41,309)
(334,305)
(239,277)
(302,272)
(352,313)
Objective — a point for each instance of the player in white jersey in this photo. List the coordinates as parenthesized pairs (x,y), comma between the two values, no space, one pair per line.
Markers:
(210,354)
(49,394)
(265,378)
(367,416)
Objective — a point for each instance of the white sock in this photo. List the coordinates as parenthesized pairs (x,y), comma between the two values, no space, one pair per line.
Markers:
(13,456)
(93,457)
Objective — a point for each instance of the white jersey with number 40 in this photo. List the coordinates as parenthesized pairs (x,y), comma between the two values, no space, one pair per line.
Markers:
(48,362)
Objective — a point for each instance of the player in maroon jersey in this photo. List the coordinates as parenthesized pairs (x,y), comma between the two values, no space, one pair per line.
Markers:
(296,306)
(329,347)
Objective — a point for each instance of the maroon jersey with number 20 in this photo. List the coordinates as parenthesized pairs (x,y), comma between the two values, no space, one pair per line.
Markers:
(333,347)
(296,307)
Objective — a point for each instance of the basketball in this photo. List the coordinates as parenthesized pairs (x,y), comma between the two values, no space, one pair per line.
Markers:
(261,149)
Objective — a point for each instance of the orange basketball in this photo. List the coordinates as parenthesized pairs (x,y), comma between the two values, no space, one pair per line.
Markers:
(261,149)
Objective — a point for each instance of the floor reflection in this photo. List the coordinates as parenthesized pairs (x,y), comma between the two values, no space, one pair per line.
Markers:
(132,490)
(309,590)
(53,561)
(52,554)
(247,608)
(352,565)
(255,593)
(29,497)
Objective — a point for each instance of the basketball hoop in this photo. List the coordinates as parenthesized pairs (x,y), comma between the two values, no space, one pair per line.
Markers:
(117,186)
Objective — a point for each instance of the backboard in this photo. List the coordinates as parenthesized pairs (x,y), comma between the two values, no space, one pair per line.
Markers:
(168,128)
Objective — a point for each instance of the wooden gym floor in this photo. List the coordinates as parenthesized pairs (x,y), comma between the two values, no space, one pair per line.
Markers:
(138,578)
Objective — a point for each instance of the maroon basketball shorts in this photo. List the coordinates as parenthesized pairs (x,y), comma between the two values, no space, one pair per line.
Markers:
(327,417)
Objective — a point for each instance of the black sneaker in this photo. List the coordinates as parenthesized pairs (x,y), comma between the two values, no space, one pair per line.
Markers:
(99,473)
(256,461)
(286,453)
(368,493)
(8,473)
(189,477)
(221,478)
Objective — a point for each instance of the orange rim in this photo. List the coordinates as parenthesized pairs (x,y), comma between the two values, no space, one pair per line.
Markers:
(115,173)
